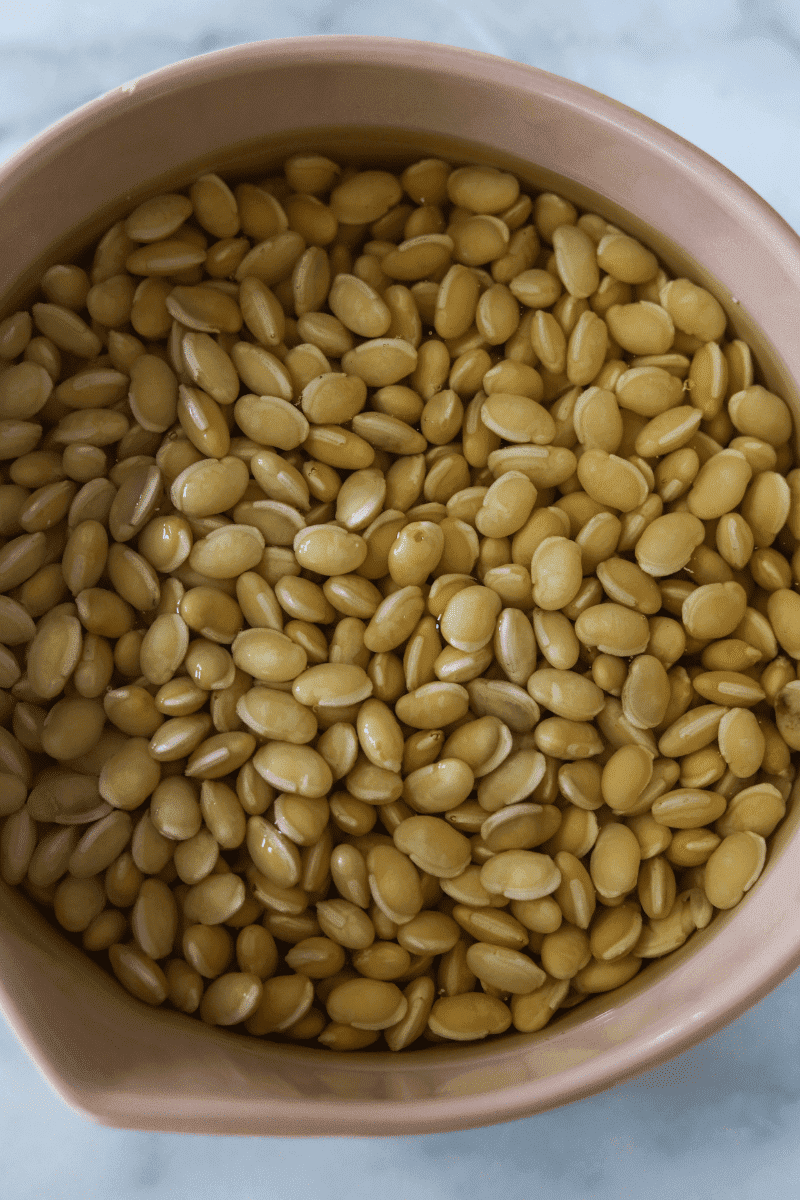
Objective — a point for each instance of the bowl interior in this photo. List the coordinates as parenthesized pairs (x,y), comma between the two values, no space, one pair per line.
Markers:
(93,209)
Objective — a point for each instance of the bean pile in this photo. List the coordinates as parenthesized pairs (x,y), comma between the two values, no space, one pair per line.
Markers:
(399,604)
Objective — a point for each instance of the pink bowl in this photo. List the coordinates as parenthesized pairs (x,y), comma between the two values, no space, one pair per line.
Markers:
(117,1061)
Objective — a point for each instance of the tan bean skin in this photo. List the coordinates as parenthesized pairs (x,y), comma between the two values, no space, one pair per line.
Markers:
(733,868)
(361,683)
(469,1017)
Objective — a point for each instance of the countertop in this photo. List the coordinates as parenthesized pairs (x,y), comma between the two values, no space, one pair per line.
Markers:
(722,1120)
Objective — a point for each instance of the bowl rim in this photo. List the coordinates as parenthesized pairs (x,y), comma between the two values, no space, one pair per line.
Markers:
(401,52)
(725,998)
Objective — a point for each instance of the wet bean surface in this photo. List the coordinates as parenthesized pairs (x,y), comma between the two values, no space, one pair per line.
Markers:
(399,615)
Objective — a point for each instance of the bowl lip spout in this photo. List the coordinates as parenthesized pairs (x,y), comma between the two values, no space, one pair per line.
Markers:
(125,1065)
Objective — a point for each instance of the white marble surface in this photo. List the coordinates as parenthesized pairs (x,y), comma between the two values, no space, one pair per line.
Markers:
(718,1123)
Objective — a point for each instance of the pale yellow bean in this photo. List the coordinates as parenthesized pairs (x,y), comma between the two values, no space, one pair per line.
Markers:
(733,868)
(566,693)
(138,973)
(520,875)
(508,970)
(614,862)
(295,769)
(468,1017)
(345,923)
(231,998)
(613,629)
(468,621)
(741,742)
(285,999)
(154,919)
(438,787)
(17,845)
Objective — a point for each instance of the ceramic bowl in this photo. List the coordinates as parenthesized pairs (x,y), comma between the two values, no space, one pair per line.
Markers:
(107,1055)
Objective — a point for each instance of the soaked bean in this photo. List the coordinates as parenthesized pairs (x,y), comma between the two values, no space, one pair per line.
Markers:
(688,808)
(508,970)
(741,742)
(566,693)
(613,629)
(296,769)
(534,1010)
(757,809)
(714,610)
(625,776)
(433,705)
(520,875)
(433,845)
(614,863)
(54,653)
(646,691)
(184,985)
(17,845)
(367,1004)
(394,883)
(565,951)
(346,924)
(782,610)
(76,902)
(468,1017)
(214,899)
(100,845)
(762,414)
(196,857)
(138,973)
(231,998)
(332,685)
(733,868)
(468,621)
(516,778)
(285,999)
